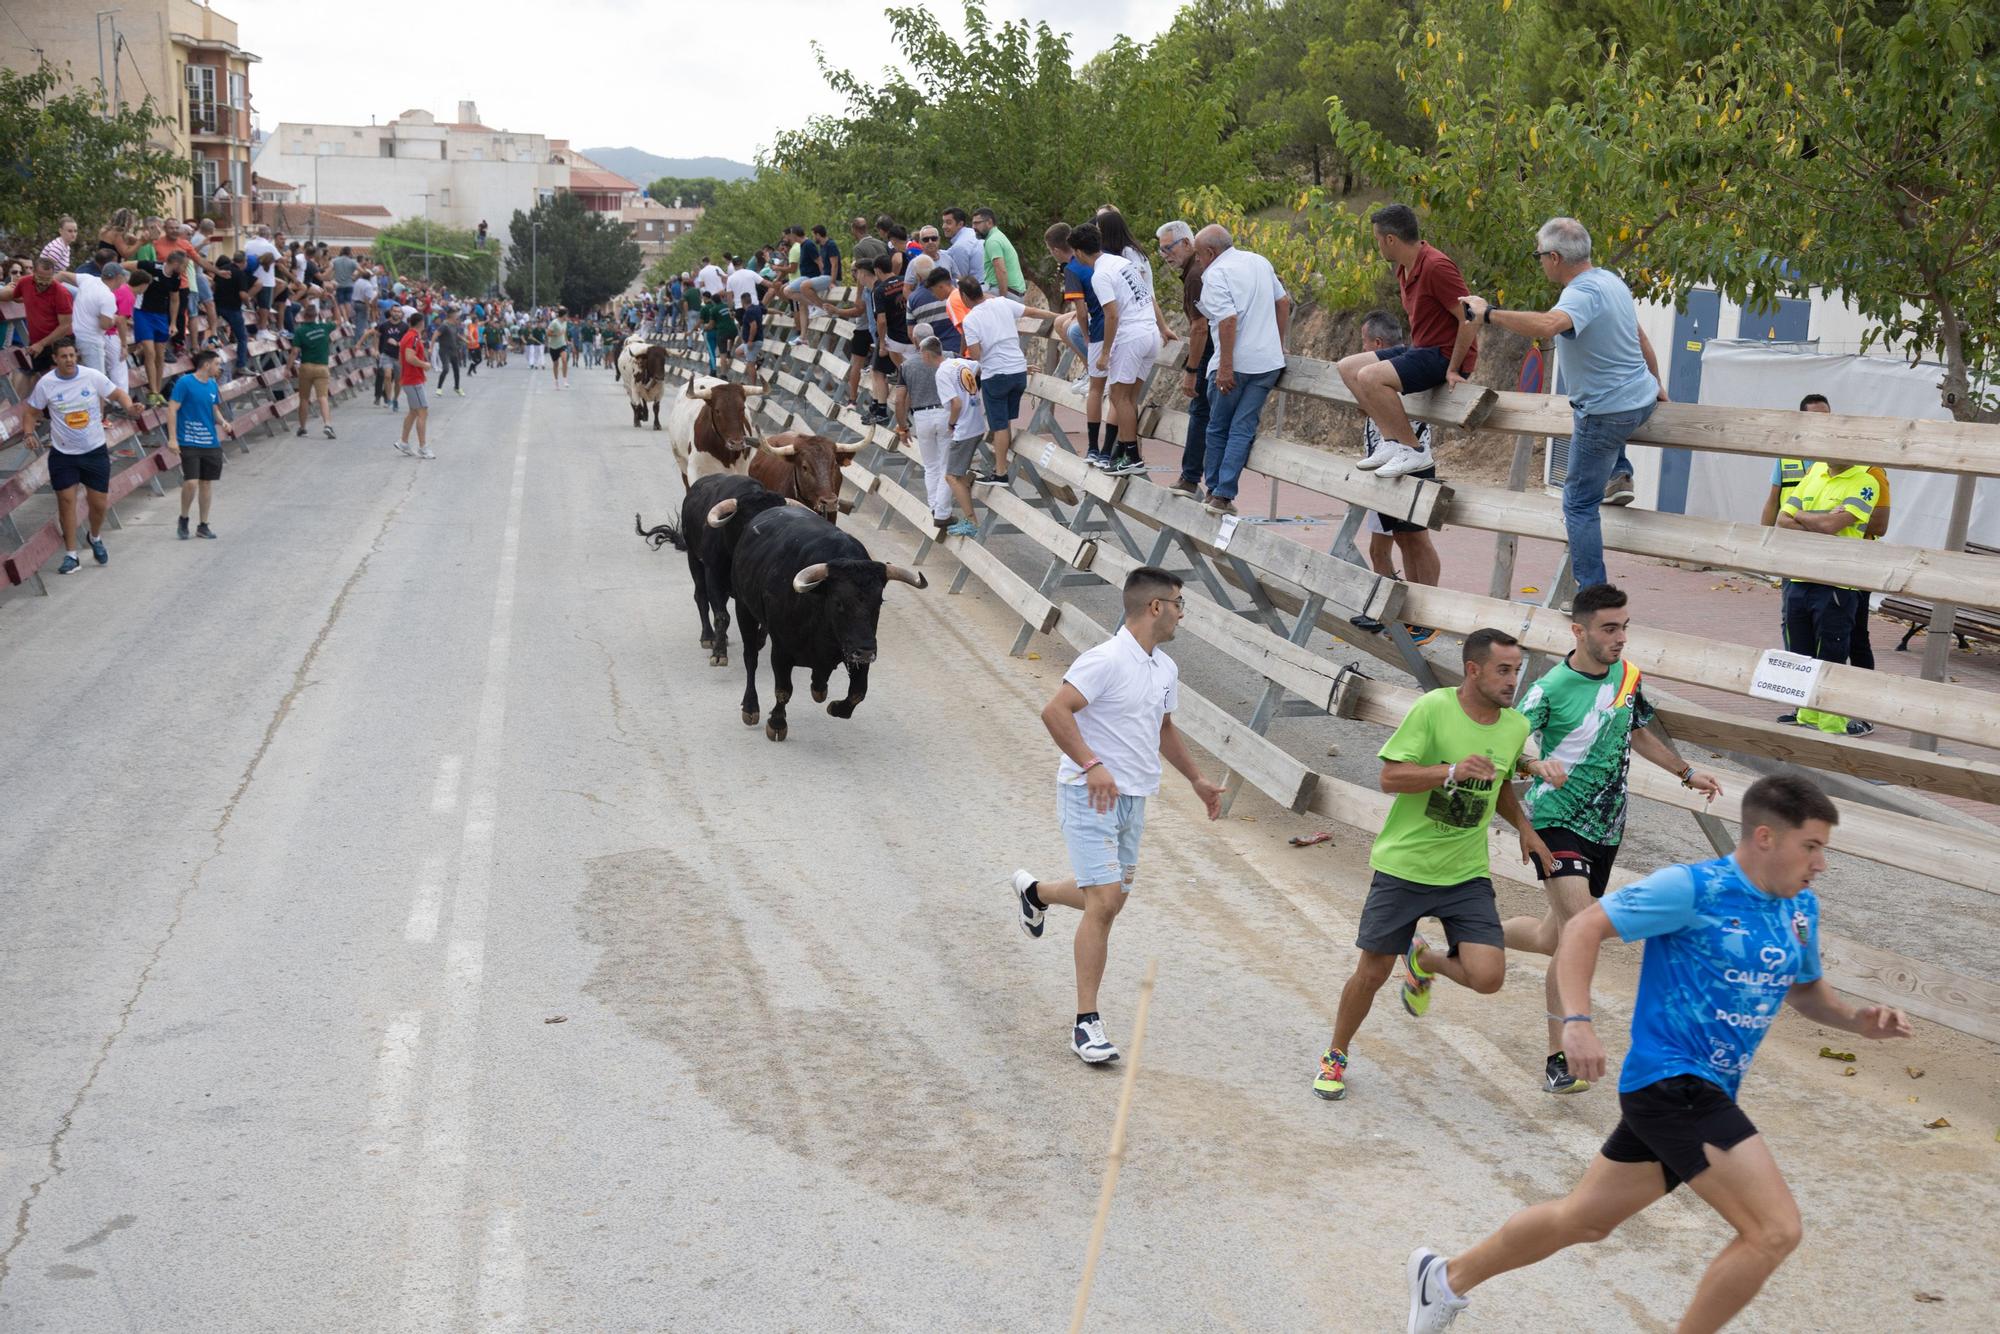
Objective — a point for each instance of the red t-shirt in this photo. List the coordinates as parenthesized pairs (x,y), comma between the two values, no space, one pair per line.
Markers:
(411,341)
(1432,289)
(44,307)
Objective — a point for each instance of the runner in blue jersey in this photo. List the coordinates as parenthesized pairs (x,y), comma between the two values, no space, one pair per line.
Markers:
(1728,942)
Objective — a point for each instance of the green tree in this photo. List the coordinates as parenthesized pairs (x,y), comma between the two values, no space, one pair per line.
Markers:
(64,152)
(746,214)
(692,191)
(453,255)
(562,253)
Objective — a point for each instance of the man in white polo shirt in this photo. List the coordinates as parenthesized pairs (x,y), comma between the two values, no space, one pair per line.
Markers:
(1251,315)
(1113,719)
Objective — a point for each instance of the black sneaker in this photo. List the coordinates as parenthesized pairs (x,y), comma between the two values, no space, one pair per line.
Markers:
(1855,727)
(182,531)
(1129,465)
(1789,719)
(203,530)
(1367,624)
(991,479)
(302,433)
(1557,1078)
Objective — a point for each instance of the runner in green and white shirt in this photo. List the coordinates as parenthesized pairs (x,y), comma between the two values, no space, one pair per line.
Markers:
(1587,715)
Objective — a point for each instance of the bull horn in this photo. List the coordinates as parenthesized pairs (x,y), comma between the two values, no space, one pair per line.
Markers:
(914,578)
(701,392)
(848,447)
(722,513)
(782,451)
(811,577)
(752,390)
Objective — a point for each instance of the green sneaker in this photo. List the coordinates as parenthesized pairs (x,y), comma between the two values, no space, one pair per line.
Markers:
(1331,1083)
(1417,986)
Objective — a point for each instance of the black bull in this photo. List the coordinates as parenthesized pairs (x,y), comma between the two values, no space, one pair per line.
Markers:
(713,516)
(816,594)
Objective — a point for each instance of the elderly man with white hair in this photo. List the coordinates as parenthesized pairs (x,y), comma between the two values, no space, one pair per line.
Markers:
(1177,247)
(1250,314)
(1609,368)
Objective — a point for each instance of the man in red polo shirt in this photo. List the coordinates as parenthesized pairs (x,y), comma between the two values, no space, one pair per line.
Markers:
(1439,344)
(48,305)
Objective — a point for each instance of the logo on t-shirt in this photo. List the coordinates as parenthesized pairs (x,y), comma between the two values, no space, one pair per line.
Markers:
(1462,806)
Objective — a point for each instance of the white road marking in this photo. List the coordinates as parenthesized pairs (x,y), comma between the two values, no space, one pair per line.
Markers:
(433,1281)
(421,928)
(503,1274)
(444,797)
(393,1064)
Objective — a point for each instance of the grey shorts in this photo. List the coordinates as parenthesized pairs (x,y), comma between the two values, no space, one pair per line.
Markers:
(958,459)
(1389,917)
(416,395)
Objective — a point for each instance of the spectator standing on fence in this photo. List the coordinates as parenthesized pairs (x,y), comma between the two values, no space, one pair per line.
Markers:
(928,304)
(829,254)
(1729,943)
(1608,365)
(1125,355)
(1001,273)
(1113,721)
(49,310)
(192,424)
(1081,325)
(1389,537)
(922,418)
(864,244)
(155,291)
(1786,474)
(992,335)
(961,251)
(233,285)
(58,248)
(1177,247)
(312,360)
(74,396)
(1586,715)
(1448,764)
(345,269)
(263,251)
(1250,316)
(1837,499)
(414,366)
(121,233)
(965,412)
(94,316)
(1440,347)
(718,325)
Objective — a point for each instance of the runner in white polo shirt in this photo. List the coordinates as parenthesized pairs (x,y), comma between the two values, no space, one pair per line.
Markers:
(1113,720)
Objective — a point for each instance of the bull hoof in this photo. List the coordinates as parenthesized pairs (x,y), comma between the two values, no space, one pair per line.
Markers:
(842,708)
(719,658)
(775,733)
(708,641)
(819,694)
(751,717)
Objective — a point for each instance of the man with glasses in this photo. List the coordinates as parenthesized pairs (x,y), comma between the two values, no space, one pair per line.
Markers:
(1113,720)
(1177,247)
(1609,368)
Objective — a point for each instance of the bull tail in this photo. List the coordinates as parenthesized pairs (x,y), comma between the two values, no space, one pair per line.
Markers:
(659,535)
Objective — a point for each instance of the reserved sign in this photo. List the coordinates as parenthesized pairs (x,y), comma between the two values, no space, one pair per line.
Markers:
(1787,678)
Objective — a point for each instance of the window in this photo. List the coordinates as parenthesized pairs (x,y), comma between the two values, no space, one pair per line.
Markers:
(238,91)
(444,199)
(208,172)
(298,147)
(237,168)
(326,149)
(340,150)
(388,147)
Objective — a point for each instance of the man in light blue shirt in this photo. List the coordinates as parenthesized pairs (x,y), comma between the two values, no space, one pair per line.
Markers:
(1613,378)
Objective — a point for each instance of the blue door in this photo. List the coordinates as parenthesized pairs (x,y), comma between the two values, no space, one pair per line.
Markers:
(1693,328)
(1787,322)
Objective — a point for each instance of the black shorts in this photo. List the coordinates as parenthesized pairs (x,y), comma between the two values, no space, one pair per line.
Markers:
(1389,917)
(43,361)
(1394,526)
(884,366)
(1419,368)
(1669,1121)
(858,345)
(92,470)
(264,297)
(201,464)
(1578,856)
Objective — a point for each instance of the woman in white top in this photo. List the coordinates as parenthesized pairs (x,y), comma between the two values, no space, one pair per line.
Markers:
(1117,240)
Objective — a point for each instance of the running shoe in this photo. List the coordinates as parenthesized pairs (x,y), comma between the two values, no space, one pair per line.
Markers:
(1855,727)
(1432,1307)
(1129,466)
(1405,461)
(1557,1078)
(1097,458)
(1090,1044)
(1420,634)
(1032,917)
(329,432)
(70,565)
(1619,490)
(97,548)
(425,453)
(302,433)
(1080,385)
(403,446)
(1417,985)
(182,531)
(963,528)
(1332,1081)
(1378,456)
(991,479)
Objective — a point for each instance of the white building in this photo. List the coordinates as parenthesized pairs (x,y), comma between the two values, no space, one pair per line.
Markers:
(458,172)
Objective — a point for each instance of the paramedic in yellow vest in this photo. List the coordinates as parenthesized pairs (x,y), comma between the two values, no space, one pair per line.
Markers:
(1837,499)
(1788,473)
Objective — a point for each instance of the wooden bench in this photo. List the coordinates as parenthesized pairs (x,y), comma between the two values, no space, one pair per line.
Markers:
(1966,623)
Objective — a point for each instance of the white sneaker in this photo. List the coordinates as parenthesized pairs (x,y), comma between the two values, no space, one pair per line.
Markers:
(1405,461)
(1378,456)
(1087,1040)
(425,453)
(404,447)
(1430,1308)
(1031,916)
(1080,385)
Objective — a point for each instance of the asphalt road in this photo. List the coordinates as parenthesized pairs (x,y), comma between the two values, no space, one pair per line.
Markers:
(314,834)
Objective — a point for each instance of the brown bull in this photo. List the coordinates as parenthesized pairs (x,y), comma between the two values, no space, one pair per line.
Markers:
(805,468)
(643,368)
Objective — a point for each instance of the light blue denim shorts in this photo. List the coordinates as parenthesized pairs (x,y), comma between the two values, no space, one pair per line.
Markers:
(1103,846)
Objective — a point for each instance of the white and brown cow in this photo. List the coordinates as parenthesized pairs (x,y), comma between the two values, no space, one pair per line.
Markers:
(709,428)
(642,368)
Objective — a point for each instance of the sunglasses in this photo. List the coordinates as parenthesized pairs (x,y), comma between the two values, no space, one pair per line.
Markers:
(1548,254)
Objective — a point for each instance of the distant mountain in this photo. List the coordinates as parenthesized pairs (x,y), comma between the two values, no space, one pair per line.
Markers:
(645,168)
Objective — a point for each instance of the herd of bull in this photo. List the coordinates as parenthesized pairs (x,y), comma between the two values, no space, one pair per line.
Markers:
(758,527)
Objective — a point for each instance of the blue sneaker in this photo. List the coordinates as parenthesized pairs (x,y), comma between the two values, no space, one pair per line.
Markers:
(70,565)
(97,550)
(963,528)
(1097,458)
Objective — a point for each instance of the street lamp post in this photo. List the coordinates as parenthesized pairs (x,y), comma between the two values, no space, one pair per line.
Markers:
(426,197)
(534,266)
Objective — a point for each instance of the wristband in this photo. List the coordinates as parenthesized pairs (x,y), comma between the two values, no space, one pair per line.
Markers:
(1687,774)
(1572,1018)
(1450,774)
(1088,767)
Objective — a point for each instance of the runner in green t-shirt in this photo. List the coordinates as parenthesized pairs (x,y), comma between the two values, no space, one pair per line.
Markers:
(1448,765)
(312,354)
(1587,714)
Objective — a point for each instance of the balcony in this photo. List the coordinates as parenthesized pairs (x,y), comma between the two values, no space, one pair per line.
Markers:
(212,120)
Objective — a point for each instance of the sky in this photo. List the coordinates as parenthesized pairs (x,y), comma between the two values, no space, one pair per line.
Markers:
(666,76)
